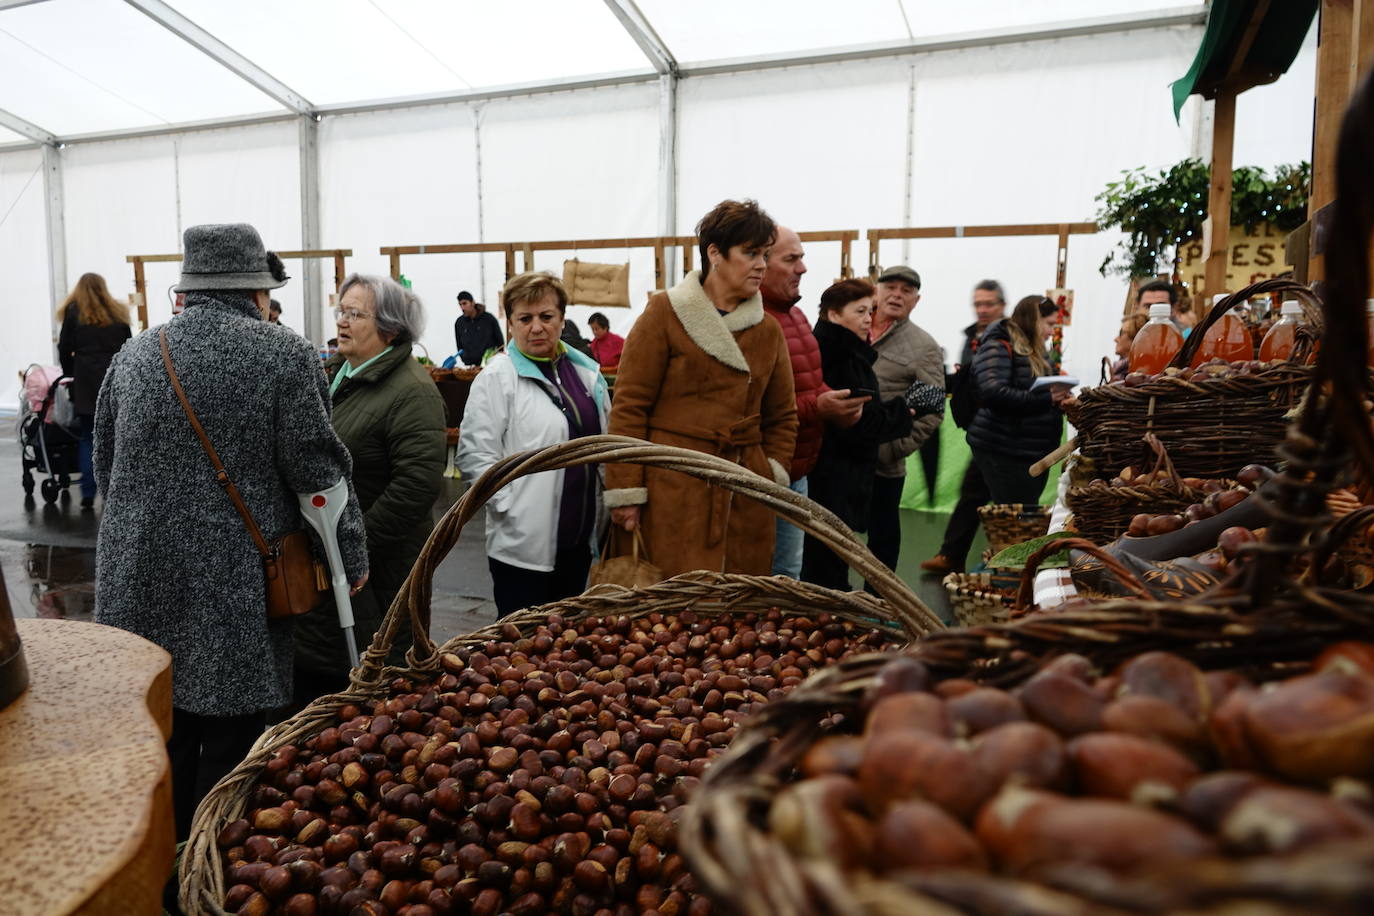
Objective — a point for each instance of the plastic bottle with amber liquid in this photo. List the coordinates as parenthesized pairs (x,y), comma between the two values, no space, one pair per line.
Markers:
(1278,343)
(1228,338)
(1156,343)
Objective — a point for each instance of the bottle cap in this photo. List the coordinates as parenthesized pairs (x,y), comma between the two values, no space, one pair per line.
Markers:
(1291,307)
(1160,310)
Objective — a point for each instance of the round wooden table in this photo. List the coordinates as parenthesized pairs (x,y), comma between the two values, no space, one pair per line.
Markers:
(84,775)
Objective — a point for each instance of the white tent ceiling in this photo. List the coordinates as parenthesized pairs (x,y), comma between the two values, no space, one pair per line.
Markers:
(74,68)
(368,123)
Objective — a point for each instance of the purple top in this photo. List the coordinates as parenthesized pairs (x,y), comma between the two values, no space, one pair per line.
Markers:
(577,512)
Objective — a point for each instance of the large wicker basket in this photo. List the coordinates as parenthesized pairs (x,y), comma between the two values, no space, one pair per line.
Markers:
(729,848)
(1010,524)
(1212,428)
(898,611)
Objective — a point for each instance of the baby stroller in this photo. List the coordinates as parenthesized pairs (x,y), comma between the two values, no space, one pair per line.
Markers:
(49,439)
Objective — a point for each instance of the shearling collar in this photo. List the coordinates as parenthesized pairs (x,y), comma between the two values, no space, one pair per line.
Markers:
(710,330)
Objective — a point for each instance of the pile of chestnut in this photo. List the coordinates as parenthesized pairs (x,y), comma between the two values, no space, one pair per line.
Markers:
(1100,775)
(539,773)
(1215,368)
(1218,500)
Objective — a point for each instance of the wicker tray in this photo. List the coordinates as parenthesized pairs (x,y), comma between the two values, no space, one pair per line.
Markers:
(1010,524)
(1212,428)
(899,611)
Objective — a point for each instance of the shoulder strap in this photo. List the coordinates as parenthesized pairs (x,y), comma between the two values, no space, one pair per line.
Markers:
(221,475)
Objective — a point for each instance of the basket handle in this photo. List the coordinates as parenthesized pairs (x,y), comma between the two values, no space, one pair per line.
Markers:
(413,599)
(1343,530)
(1162,460)
(1025,594)
(1310,303)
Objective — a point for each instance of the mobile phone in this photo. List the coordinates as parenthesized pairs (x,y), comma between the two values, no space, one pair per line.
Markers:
(862,393)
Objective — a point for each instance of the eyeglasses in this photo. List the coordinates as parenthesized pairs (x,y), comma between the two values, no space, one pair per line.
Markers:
(351,314)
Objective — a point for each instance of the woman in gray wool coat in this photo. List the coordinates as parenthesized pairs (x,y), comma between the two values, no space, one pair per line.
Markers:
(174,562)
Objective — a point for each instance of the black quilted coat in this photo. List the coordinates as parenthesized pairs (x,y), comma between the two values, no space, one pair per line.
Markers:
(1012,420)
(842,480)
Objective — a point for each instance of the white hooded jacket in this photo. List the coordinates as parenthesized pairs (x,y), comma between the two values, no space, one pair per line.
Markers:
(511,409)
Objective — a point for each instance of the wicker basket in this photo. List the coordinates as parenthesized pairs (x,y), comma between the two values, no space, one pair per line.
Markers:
(724,833)
(984,597)
(1009,524)
(1212,428)
(901,613)
(1102,512)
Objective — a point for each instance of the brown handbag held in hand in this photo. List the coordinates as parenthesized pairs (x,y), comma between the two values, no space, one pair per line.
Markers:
(296,583)
(634,571)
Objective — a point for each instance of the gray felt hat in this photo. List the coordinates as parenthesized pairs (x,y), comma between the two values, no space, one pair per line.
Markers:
(228,256)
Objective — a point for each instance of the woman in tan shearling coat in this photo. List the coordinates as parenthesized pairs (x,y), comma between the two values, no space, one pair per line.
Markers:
(703,370)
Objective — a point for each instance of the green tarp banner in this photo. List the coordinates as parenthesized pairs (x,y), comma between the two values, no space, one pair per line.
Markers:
(954,457)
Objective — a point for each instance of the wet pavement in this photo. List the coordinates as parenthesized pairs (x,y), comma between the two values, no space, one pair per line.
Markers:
(47,554)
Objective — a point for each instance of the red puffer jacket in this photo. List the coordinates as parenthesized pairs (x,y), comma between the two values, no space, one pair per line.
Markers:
(809,383)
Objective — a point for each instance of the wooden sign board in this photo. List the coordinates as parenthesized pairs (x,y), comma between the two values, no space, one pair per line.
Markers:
(1253,257)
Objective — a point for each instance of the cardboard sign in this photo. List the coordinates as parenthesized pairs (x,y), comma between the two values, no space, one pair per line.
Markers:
(1253,257)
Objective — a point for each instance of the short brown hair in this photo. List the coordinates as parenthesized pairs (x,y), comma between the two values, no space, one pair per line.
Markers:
(732,223)
(841,294)
(533,286)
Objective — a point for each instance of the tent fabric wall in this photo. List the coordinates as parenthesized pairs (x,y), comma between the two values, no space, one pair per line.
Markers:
(24,265)
(1014,133)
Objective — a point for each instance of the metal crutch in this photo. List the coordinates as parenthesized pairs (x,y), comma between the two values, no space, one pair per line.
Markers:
(322,511)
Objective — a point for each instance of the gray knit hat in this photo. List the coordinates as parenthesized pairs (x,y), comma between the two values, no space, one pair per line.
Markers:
(228,256)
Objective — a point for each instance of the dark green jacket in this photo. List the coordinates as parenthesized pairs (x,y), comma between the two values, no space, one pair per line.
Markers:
(391,418)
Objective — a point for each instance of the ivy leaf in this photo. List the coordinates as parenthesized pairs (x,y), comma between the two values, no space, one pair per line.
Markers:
(1015,556)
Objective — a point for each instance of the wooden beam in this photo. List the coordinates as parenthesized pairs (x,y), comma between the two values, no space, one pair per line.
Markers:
(1061,258)
(658,265)
(395,259)
(339,270)
(1333,92)
(1247,41)
(510,261)
(1219,195)
(954,232)
(141,288)
(309,253)
(873,254)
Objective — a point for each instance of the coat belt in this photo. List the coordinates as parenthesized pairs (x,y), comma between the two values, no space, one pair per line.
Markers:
(728,442)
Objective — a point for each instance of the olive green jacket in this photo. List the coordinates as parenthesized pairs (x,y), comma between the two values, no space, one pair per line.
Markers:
(391,417)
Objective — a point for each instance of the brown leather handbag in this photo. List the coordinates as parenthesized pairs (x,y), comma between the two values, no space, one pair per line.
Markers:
(296,582)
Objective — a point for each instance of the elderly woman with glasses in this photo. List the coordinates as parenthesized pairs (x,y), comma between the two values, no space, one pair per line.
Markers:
(391,417)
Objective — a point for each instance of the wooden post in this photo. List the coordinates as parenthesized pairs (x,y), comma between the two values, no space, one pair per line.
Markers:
(1334,51)
(688,253)
(1061,260)
(529,256)
(846,251)
(339,272)
(510,261)
(1362,40)
(1219,197)
(658,264)
(395,267)
(141,287)
(872,259)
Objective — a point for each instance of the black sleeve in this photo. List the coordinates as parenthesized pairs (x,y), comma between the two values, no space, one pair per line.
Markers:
(457,338)
(994,374)
(880,422)
(66,341)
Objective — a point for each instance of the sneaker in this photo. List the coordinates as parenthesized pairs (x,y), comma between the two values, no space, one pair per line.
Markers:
(938,565)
